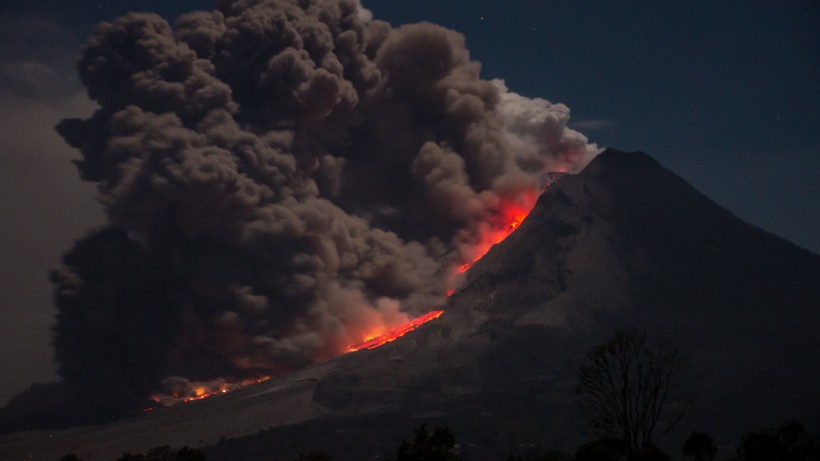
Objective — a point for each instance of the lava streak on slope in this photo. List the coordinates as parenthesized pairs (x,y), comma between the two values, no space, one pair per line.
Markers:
(508,219)
(510,215)
(201,390)
(396,333)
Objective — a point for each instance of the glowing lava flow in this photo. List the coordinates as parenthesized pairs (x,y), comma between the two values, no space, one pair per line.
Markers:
(396,333)
(508,218)
(510,215)
(200,391)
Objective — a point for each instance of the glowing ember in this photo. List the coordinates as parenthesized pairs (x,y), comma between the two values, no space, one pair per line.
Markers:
(392,335)
(199,391)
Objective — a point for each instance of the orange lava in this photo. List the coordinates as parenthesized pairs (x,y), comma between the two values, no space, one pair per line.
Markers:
(202,391)
(396,333)
(508,217)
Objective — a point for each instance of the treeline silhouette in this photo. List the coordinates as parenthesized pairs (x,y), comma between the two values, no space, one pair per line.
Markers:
(626,387)
(787,442)
(163,453)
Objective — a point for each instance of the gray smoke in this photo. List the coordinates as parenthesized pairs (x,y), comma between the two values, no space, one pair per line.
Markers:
(282,178)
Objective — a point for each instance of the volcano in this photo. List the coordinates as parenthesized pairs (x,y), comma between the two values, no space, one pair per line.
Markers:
(624,244)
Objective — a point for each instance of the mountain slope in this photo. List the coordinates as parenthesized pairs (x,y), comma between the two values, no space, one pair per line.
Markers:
(638,247)
(624,244)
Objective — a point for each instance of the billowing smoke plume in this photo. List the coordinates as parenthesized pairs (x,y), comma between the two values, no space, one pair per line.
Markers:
(281,178)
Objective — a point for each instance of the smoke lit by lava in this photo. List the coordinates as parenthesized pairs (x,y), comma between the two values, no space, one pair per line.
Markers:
(284,180)
(180,390)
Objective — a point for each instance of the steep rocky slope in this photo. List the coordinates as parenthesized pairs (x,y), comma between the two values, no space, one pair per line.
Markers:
(624,244)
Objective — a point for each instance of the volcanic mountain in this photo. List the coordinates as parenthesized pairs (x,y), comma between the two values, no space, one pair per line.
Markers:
(624,244)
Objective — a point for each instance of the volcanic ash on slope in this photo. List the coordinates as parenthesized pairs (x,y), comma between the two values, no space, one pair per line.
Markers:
(623,244)
(281,179)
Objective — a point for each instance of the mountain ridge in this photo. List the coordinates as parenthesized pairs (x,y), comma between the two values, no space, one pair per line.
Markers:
(624,244)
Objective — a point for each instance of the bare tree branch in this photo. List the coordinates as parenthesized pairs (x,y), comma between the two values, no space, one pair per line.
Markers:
(629,388)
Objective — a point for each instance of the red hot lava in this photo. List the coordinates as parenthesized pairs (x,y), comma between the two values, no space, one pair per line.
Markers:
(510,215)
(199,391)
(396,333)
(508,218)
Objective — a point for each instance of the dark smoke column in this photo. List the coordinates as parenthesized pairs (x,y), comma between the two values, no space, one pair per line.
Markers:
(280,178)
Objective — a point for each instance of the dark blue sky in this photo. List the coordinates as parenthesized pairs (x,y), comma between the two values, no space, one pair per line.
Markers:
(725,94)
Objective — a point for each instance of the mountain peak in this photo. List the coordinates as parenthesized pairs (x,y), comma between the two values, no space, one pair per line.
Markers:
(624,244)
(627,219)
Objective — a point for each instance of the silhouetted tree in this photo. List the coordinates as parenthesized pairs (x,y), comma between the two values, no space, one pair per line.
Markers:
(165,453)
(313,456)
(700,446)
(440,445)
(616,449)
(603,449)
(549,455)
(70,457)
(555,455)
(789,442)
(758,446)
(189,454)
(631,389)
(648,453)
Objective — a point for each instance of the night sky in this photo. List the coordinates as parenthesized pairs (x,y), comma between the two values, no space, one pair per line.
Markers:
(725,94)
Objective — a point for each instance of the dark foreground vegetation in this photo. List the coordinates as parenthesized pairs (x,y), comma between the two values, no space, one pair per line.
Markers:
(626,389)
(788,442)
(163,453)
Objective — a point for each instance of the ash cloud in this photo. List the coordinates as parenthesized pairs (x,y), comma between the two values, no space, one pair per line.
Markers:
(280,178)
